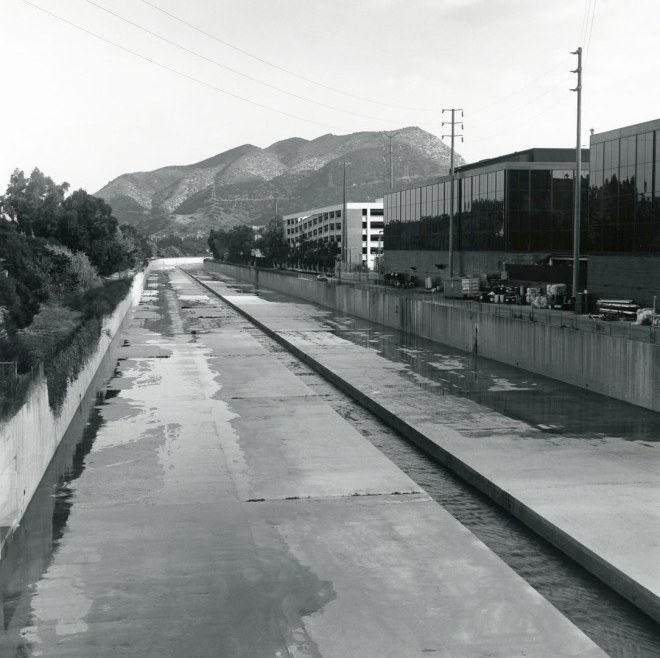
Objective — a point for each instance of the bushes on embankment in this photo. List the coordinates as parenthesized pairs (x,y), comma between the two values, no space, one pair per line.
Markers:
(57,253)
(61,354)
(73,354)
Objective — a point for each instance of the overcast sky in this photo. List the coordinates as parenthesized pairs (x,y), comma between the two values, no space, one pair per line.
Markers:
(85,111)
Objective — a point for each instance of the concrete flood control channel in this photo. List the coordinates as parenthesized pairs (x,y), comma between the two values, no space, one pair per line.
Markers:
(214,505)
(605,485)
(612,622)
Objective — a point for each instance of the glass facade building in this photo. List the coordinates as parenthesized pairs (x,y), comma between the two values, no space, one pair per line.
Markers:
(523,202)
(517,202)
(624,192)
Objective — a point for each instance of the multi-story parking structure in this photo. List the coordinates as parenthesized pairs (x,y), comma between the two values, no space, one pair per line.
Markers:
(362,226)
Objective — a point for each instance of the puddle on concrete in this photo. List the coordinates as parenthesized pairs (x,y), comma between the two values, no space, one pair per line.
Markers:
(110,393)
(615,624)
(516,393)
(28,554)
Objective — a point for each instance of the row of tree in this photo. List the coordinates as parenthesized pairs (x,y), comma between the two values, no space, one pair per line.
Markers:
(38,207)
(52,245)
(268,247)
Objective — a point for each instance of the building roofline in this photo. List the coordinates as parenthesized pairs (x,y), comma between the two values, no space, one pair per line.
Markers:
(499,163)
(516,157)
(350,205)
(625,131)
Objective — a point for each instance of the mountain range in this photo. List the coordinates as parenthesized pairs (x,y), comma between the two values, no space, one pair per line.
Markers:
(244,184)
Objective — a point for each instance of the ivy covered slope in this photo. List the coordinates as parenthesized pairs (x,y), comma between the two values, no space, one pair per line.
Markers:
(65,262)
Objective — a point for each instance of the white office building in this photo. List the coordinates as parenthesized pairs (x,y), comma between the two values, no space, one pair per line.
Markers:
(363,230)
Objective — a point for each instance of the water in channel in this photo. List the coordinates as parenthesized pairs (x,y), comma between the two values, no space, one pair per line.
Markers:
(618,627)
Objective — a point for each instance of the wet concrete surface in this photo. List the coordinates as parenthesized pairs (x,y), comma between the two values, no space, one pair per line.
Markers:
(216,509)
(585,471)
(617,626)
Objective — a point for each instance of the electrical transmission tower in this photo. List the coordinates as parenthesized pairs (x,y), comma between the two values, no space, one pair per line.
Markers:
(391,137)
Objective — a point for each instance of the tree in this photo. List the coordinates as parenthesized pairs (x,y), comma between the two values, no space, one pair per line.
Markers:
(33,203)
(170,252)
(79,268)
(273,244)
(329,253)
(235,245)
(25,260)
(19,303)
(218,242)
(87,224)
(139,248)
(37,206)
(240,244)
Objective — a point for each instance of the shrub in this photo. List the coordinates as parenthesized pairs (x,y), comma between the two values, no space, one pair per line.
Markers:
(69,354)
(101,301)
(70,359)
(79,268)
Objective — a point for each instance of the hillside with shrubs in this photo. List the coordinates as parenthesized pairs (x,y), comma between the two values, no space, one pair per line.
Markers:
(65,263)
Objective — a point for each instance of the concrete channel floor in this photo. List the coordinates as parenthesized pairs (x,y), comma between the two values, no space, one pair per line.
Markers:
(223,509)
(597,499)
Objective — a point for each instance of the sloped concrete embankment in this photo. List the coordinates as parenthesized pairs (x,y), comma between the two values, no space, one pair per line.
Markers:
(618,367)
(29,439)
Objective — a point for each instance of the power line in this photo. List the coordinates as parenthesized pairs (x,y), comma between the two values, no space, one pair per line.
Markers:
(180,73)
(520,107)
(585,20)
(591,27)
(228,68)
(505,132)
(517,91)
(284,70)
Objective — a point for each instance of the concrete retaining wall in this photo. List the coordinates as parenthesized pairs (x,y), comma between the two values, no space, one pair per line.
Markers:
(618,367)
(29,439)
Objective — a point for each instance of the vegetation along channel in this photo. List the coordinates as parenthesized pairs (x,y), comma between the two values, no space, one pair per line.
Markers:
(612,622)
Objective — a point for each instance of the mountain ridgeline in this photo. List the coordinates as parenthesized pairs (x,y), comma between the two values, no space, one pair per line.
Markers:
(240,186)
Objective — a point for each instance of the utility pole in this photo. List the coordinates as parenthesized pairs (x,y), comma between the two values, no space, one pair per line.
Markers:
(391,137)
(453,111)
(343,222)
(578,179)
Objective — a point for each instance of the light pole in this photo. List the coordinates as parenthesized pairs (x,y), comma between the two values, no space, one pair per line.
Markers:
(380,256)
